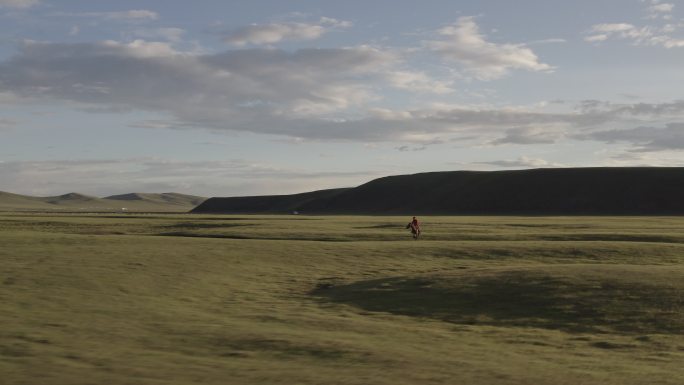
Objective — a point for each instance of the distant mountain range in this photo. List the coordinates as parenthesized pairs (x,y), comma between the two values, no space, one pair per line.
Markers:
(167,202)
(559,191)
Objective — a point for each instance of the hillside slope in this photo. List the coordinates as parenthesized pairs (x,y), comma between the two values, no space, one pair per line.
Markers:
(569,191)
(163,198)
(312,201)
(9,201)
(78,202)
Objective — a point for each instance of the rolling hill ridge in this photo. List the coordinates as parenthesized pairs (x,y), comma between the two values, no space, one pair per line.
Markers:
(559,191)
(172,202)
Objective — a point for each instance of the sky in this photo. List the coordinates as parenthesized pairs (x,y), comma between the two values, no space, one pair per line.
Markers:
(232,98)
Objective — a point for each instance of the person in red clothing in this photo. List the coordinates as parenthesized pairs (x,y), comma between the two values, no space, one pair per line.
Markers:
(415,227)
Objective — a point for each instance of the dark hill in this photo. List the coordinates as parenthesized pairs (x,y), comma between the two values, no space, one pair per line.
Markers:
(69,198)
(163,198)
(561,191)
(315,201)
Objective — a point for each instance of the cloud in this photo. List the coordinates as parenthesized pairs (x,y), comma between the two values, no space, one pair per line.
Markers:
(547,41)
(660,10)
(596,38)
(18,3)
(134,15)
(254,90)
(498,126)
(594,111)
(529,135)
(7,123)
(169,34)
(522,162)
(104,177)
(157,124)
(644,139)
(312,94)
(335,23)
(463,43)
(642,36)
(418,81)
(602,32)
(410,148)
(611,28)
(260,34)
(641,159)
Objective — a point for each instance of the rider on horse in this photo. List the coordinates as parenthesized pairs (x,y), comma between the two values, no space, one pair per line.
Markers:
(415,227)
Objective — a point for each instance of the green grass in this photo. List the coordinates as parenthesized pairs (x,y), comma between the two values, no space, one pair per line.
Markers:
(190,299)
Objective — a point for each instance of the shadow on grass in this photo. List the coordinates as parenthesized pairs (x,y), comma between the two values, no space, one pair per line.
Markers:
(613,238)
(522,298)
(195,235)
(253,237)
(383,226)
(284,347)
(197,225)
(548,226)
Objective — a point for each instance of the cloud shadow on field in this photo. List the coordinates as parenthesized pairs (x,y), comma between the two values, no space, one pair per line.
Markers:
(568,298)
(193,225)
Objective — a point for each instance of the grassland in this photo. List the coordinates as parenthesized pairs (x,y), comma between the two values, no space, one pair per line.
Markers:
(191,299)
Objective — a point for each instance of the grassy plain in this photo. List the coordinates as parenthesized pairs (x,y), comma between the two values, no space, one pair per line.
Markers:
(191,299)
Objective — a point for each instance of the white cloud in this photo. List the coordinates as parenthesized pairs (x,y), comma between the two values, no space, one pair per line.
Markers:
(169,33)
(463,43)
(18,3)
(142,49)
(663,7)
(667,42)
(596,38)
(134,15)
(669,28)
(614,27)
(274,33)
(622,30)
(548,41)
(260,34)
(418,81)
(530,135)
(523,162)
(335,23)
(388,114)
(649,35)
(660,10)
